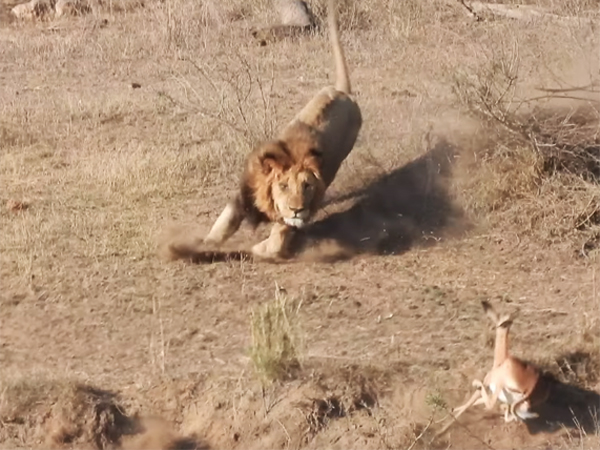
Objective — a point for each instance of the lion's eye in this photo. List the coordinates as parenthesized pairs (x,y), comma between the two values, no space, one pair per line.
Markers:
(283,186)
(306,186)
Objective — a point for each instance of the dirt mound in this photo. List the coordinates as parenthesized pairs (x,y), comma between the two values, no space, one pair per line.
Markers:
(87,415)
(296,413)
(66,414)
(62,412)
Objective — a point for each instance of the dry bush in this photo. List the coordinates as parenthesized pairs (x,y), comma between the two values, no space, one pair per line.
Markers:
(230,98)
(182,22)
(275,339)
(579,368)
(240,101)
(540,159)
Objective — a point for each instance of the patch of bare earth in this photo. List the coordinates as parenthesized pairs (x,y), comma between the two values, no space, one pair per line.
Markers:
(475,176)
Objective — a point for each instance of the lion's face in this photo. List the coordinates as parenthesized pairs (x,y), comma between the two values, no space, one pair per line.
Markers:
(294,193)
(286,181)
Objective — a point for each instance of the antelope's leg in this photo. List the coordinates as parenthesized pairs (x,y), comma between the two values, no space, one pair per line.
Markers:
(475,399)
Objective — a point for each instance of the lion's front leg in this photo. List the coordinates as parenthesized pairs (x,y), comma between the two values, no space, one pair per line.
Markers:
(277,244)
(227,223)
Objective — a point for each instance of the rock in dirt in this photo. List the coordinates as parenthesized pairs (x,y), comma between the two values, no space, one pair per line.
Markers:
(295,12)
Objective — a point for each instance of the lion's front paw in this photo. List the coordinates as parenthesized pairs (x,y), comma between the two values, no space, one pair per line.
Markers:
(211,241)
(264,251)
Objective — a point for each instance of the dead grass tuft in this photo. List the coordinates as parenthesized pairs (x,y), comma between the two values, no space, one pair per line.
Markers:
(321,411)
(275,339)
(580,368)
(117,6)
(579,363)
(345,391)
(21,399)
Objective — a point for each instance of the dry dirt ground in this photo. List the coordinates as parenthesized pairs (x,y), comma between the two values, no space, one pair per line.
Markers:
(119,124)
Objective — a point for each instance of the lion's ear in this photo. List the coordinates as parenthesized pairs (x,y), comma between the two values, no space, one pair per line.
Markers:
(313,160)
(274,156)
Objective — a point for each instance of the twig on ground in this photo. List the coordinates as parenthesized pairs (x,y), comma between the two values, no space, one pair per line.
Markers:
(477,17)
(418,438)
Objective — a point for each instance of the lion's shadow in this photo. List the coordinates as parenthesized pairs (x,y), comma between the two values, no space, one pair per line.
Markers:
(567,407)
(410,205)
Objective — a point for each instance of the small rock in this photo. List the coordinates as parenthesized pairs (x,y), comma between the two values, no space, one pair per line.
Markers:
(295,12)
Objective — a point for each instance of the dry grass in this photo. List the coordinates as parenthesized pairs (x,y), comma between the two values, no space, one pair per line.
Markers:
(275,350)
(93,169)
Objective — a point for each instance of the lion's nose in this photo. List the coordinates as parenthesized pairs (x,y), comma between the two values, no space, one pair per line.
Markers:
(297,210)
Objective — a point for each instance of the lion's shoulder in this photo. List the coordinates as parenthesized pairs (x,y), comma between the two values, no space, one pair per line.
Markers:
(330,123)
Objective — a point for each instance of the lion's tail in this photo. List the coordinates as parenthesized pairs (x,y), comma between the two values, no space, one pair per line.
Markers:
(342,79)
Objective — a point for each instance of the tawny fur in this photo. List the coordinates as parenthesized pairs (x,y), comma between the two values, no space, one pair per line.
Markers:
(284,180)
(515,383)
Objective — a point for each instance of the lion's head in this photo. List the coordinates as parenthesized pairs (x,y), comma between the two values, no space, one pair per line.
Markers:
(294,192)
(286,182)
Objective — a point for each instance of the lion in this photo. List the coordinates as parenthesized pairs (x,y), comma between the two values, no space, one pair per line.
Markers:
(518,385)
(284,179)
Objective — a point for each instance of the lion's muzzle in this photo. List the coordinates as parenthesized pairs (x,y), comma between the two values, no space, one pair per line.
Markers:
(295,222)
